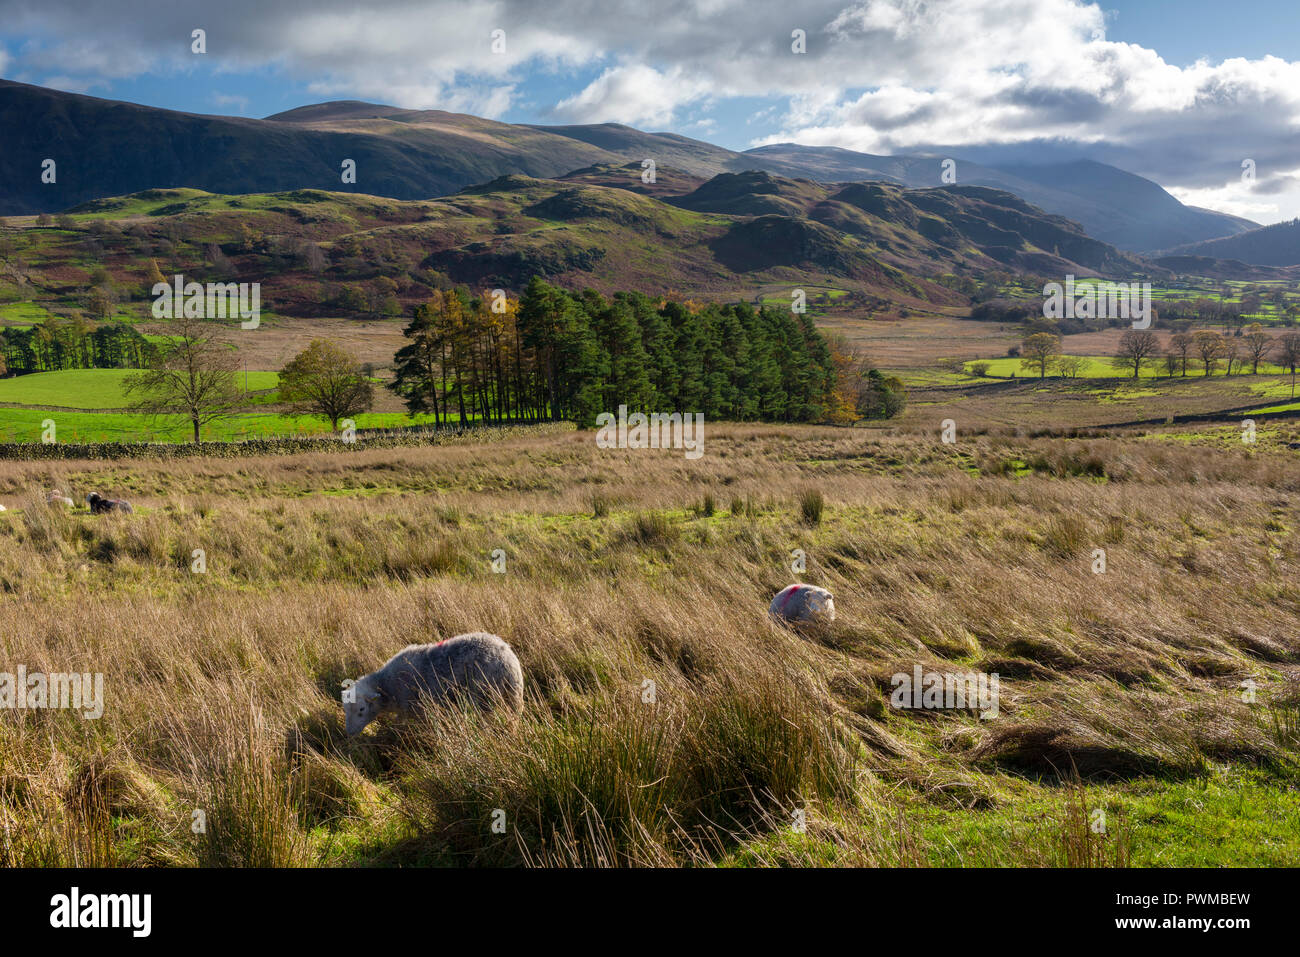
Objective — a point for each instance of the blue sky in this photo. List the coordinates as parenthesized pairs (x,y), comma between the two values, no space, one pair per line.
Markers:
(1180,92)
(1184,31)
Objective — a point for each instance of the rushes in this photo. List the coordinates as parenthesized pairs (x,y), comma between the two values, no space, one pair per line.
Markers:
(249,798)
(811,504)
(651,529)
(1284,717)
(1066,535)
(618,781)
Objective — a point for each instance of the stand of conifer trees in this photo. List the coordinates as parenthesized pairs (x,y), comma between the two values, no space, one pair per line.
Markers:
(558,355)
(73,344)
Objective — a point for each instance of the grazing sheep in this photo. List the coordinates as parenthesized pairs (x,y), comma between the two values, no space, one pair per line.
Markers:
(478,667)
(796,603)
(56,497)
(99,505)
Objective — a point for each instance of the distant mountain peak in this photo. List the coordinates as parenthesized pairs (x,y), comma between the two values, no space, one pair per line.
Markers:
(336,109)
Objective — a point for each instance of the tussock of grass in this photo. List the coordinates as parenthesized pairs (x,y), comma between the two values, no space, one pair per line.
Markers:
(811,506)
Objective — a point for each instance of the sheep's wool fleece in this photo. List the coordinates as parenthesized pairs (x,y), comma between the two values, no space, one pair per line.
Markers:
(803,603)
(479,665)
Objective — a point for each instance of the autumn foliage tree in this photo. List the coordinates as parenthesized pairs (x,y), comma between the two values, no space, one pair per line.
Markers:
(861,391)
(1038,350)
(326,380)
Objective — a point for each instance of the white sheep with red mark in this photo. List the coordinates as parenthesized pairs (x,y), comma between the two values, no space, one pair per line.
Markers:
(803,603)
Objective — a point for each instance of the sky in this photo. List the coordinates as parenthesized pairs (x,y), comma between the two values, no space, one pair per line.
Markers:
(1202,97)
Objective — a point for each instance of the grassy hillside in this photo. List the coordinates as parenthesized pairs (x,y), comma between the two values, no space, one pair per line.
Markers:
(720,238)
(108,148)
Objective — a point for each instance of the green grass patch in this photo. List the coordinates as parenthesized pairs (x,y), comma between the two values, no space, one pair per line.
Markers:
(93,388)
(25,313)
(25,425)
(1233,818)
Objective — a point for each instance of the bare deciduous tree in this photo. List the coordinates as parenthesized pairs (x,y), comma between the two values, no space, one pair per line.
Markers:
(1180,344)
(193,376)
(1208,345)
(1071,367)
(1288,355)
(1258,343)
(1136,347)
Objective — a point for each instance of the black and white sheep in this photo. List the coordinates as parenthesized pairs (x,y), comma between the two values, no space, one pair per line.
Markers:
(99,505)
(477,668)
(803,603)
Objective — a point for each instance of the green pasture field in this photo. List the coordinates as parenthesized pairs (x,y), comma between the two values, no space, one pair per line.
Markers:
(1230,291)
(23,313)
(93,388)
(1102,367)
(25,425)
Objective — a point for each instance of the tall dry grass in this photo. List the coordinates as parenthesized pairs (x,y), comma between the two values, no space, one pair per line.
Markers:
(222,687)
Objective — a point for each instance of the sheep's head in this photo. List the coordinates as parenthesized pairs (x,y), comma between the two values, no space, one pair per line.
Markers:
(361,706)
(822,606)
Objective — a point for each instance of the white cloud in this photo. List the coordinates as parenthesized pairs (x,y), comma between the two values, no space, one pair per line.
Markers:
(1228,199)
(240,103)
(634,94)
(1266,198)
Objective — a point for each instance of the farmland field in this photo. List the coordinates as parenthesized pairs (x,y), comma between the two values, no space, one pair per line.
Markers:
(91,388)
(26,425)
(1097,367)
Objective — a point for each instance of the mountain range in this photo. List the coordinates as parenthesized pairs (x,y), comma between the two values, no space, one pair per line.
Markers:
(1276,245)
(107,148)
(881,247)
